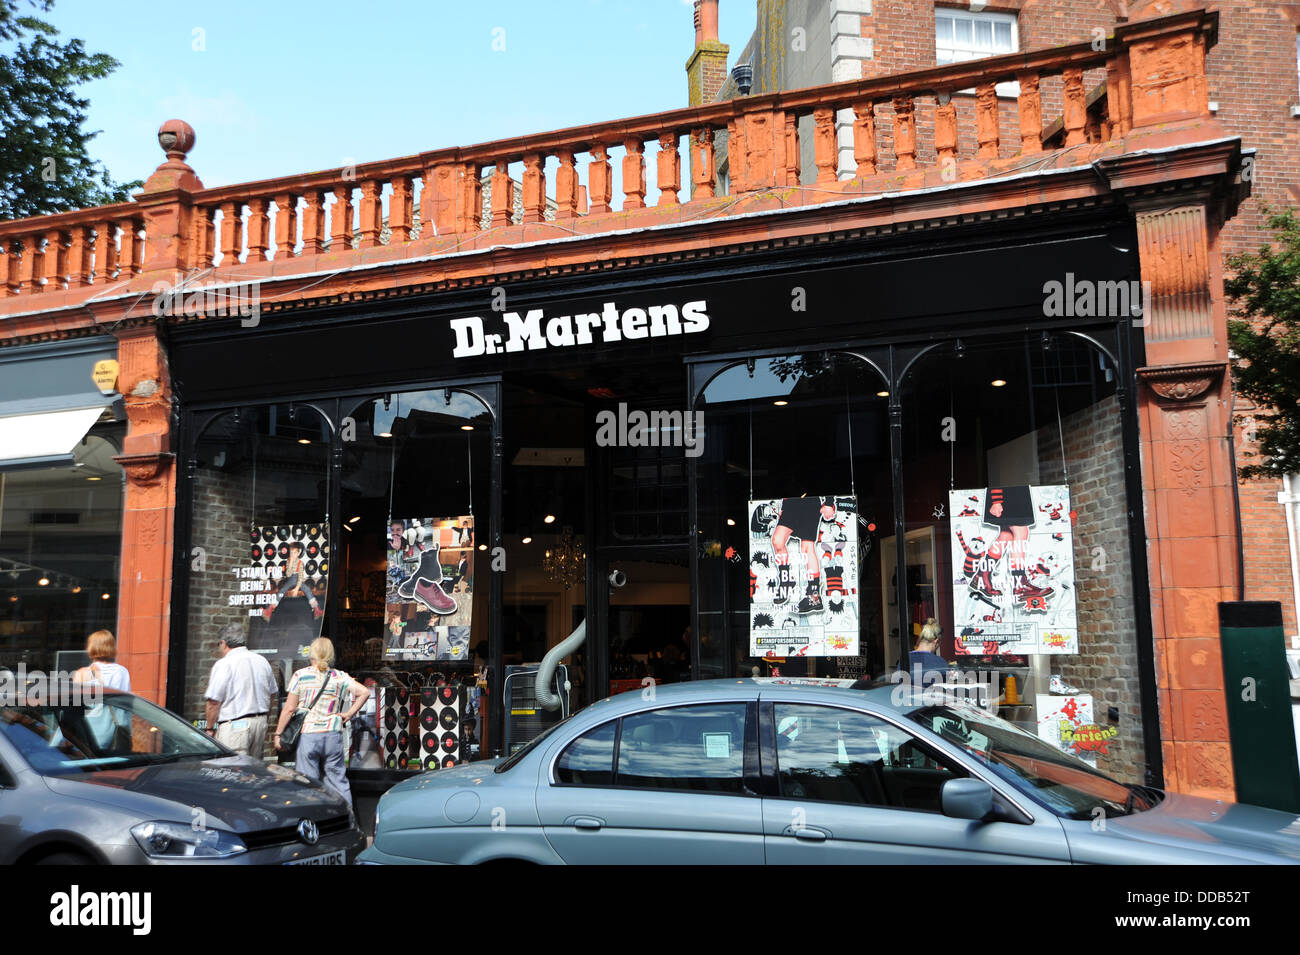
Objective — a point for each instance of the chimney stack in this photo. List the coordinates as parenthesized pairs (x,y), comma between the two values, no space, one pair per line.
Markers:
(706,70)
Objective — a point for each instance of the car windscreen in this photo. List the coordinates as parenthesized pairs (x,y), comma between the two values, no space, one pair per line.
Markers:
(1062,783)
(116,732)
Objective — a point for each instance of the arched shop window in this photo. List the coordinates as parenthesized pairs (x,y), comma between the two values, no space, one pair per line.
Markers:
(60,546)
(414,561)
(261,555)
(793,488)
(1017,535)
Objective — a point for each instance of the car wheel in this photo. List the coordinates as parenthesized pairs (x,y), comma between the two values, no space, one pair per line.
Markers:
(65,858)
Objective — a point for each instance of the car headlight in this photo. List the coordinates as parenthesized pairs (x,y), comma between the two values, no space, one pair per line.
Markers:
(172,840)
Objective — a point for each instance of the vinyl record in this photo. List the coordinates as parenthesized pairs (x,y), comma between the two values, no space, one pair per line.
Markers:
(282,551)
(390,742)
(268,534)
(390,720)
(447,694)
(450,741)
(448,762)
(257,553)
(390,762)
(447,718)
(313,549)
(313,530)
(429,744)
(427,696)
(431,762)
(309,568)
(403,742)
(282,533)
(428,719)
(403,716)
(255,535)
(402,760)
(299,531)
(403,696)
(324,568)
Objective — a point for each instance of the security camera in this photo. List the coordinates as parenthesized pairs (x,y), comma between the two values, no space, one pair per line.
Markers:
(617,578)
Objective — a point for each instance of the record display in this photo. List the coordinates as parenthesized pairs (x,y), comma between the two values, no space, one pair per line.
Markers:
(442,716)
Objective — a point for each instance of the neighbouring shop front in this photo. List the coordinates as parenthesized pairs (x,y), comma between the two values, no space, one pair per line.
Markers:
(782,461)
(61,427)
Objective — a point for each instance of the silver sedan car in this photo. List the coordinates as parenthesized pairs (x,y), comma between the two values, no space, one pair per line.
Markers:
(772,771)
(125,781)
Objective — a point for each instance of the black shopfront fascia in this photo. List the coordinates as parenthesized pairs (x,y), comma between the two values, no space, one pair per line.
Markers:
(885,298)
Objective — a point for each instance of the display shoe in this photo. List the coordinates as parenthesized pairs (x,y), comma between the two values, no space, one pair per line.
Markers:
(434,597)
(983,582)
(429,569)
(812,599)
(1057,685)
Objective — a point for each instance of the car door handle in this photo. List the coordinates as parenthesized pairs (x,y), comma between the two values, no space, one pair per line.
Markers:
(585,822)
(807,834)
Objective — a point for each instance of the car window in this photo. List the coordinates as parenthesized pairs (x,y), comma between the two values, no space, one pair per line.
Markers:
(698,748)
(828,754)
(589,759)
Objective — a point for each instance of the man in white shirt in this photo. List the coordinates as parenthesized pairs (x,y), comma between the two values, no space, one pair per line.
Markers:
(241,692)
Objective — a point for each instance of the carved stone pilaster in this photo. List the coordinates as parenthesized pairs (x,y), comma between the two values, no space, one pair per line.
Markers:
(1173,248)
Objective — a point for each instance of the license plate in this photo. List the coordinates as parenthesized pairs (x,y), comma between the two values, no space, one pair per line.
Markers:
(338,857)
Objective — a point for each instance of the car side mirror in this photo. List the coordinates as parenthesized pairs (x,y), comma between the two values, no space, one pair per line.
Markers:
(966,799)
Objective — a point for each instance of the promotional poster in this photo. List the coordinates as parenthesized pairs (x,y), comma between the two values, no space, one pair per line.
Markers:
(430,593)
(1013,570)
(803,577)
(284,585)
(1067,722)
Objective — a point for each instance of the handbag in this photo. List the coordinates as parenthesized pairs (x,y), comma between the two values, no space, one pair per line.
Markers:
(293,729)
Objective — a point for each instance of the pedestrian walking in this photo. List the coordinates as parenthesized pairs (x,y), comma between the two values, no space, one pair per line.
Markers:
(241,692)
(101,647)
(321,691)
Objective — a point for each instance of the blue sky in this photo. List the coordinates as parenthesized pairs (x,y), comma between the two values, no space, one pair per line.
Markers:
(285,86)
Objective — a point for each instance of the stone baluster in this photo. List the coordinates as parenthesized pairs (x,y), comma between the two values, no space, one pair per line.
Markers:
(79,257)
(503,194)
(6,259)
(825,147)
(986,121)
(313,222)
(791,124)
(341,218)
(286,224)
(27,273)
(945,132)
(633,174)
(231,233)
(566,186)
(105,252)
(598,179)
(259,229)
(1031,114)
(864,137)
(669,166)
(401,206)
(201,233)
(469,213)
(1119,96)
(372,212)
(1076,106)
(534,188)
(737,155)
(55,260)
(905,133)
(129,250)
(703,180)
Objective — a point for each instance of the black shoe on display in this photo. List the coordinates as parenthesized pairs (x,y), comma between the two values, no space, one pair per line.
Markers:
(429,569)
(812,600)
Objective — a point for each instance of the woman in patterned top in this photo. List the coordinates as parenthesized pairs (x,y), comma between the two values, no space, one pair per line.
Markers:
(321,691)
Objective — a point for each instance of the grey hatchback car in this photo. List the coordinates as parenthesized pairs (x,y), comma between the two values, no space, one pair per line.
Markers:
(125,781)
(772,771)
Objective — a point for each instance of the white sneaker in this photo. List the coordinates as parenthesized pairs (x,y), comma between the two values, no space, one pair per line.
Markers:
(1057,685)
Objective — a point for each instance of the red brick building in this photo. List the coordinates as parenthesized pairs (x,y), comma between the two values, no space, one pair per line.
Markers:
(345,361)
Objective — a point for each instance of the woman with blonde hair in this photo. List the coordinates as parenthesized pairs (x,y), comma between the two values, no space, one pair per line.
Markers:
(101,647)
(321,745)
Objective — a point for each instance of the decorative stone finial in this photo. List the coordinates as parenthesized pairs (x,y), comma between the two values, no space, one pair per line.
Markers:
(176,137)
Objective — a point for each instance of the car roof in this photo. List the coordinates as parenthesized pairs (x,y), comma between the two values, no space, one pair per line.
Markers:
(811,689)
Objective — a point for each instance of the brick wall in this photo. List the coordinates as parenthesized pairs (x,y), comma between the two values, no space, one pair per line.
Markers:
(1107,664)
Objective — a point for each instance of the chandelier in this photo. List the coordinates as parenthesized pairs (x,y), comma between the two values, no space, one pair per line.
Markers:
(565,562)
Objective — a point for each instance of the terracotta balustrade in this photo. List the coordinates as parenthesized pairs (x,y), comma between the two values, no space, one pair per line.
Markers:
(1154,73)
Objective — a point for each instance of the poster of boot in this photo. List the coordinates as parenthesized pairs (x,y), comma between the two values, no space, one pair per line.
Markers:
(284,586)
(803,577)
(1013,570)
(430,589)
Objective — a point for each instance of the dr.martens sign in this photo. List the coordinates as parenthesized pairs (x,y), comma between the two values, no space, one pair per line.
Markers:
(533,330)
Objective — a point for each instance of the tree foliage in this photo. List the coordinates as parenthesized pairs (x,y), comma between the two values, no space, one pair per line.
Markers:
(44,163)
(1265,337)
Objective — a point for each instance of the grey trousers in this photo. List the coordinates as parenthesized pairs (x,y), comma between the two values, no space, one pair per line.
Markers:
(320,756)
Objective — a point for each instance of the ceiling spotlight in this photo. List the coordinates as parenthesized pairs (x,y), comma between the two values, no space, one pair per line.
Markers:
(353,520)
(43,582)
(731,522)
(94,477)
(527,540)
(467,427)
(304,440)
(780,402)
(882,394)
(77,589)
(998,382)
(105,595)
(385,434)
(13,598)
(548,519)
(482,546)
